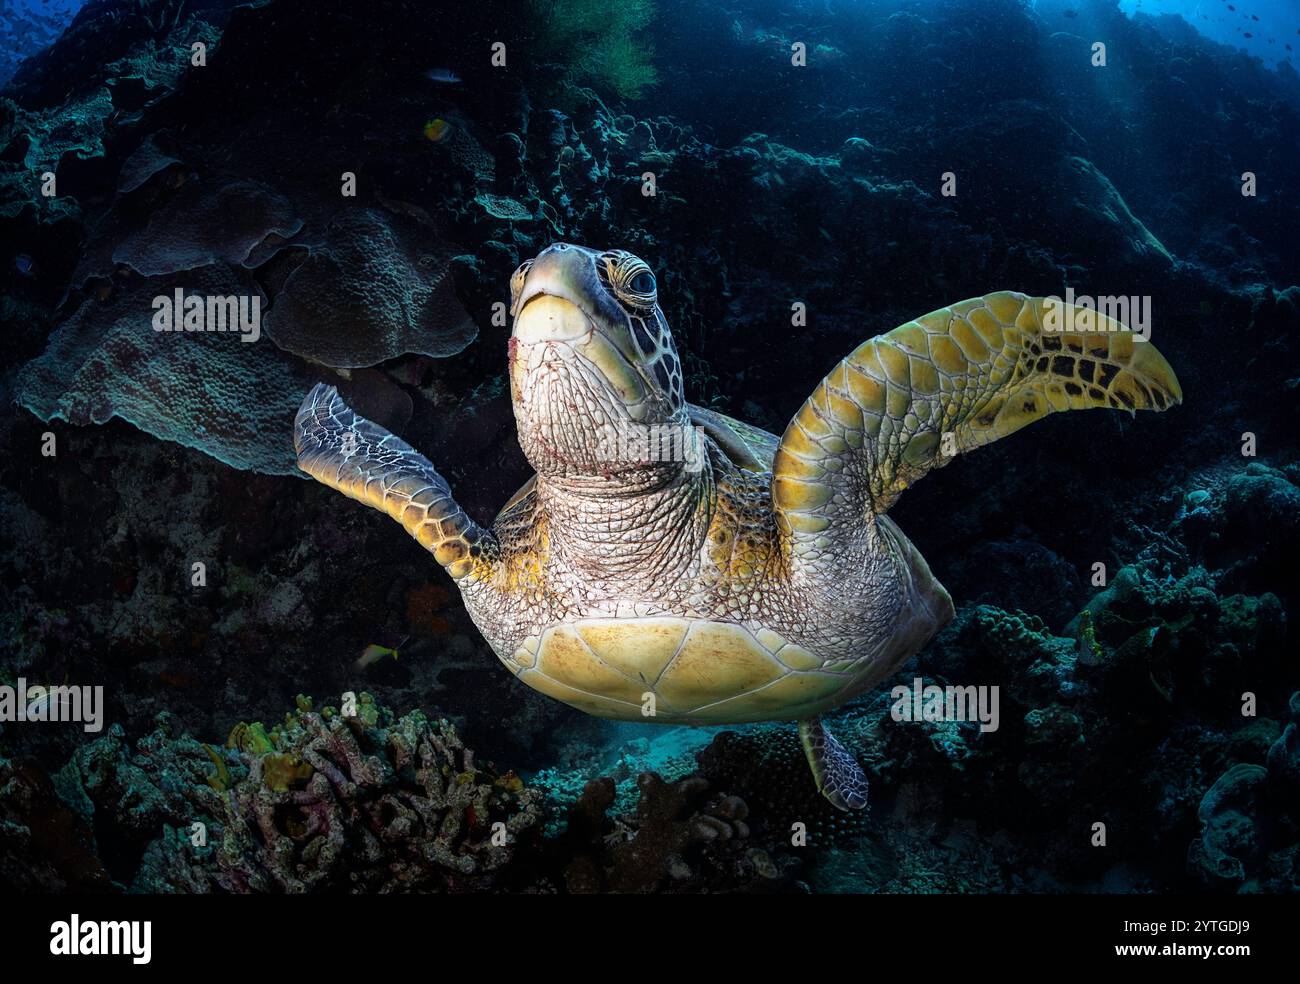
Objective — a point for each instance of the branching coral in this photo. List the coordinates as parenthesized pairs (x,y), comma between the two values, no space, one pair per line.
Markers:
(321,802)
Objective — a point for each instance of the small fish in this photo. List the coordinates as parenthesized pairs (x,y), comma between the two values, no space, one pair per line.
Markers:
(25,265)
(1248,35)
(373,654)
(1253,17)
(445,76)
(436,130)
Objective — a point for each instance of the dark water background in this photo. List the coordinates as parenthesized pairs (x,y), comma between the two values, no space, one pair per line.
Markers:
(821,184)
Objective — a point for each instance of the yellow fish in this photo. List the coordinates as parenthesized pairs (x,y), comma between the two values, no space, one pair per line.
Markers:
(373,654)
(436,130)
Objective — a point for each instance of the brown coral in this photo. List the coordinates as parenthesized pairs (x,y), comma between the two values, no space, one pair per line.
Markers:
(682,838)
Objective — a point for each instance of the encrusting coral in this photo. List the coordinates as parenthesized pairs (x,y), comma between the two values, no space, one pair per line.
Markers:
(105,361)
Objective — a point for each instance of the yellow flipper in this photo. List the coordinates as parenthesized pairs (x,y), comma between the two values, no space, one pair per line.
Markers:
(951,381)
(365,462)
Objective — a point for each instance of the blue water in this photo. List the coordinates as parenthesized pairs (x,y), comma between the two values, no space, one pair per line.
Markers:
(27,26)
(1278,23)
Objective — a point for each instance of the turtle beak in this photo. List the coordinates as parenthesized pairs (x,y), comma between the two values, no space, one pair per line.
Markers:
(552,330)
(559,327)
(548,318)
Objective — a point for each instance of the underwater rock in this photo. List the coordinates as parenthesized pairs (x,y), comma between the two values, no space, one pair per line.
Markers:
(105,41)
(682,838)
(44,845)
(766,766)
(320,802)
(1095,209)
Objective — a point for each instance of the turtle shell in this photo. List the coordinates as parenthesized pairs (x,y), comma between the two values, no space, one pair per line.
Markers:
(679,671)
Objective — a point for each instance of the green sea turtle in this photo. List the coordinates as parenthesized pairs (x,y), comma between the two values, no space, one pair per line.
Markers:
(738,577)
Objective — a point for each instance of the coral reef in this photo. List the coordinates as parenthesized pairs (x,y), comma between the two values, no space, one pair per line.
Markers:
(371,291)
(1121,703)
(321,802)
(212,391)
(1250,834)
(682,838)
(766,766)
(44,845)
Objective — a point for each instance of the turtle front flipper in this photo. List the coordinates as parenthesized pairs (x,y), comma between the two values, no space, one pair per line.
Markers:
(748,447)
(838,776)
(951,381)
(367,463)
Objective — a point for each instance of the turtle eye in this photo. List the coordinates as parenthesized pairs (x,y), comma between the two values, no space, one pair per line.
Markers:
(642,283)
(632,280)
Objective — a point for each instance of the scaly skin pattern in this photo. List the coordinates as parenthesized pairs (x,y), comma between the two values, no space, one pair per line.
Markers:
(704,548)
(623,577)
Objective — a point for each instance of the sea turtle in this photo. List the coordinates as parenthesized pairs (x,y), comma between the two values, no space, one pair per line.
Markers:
(670,564)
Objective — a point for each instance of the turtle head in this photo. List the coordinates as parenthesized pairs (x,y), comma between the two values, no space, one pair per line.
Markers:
(591,359)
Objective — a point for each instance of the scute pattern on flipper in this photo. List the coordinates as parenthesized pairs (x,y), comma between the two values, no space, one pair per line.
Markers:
(838,776)
(976,371)
(367,463)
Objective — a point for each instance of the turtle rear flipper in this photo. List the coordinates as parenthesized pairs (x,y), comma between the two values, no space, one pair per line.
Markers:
(365,462)
(838,776)
(951,381)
